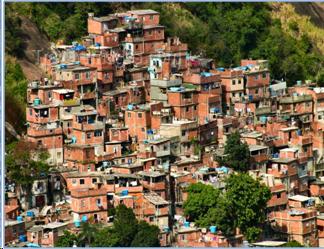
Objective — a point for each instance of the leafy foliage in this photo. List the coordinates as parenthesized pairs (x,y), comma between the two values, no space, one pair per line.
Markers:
(25,162)
(293,243)
(125,224)
(147,235)
(67,240)
(126,231)
(241,206)
(201,198)
(237,153)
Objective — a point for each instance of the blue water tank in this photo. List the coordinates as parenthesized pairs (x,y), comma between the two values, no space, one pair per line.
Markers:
(212,229)
(187,224)
(124,192)
(19,218)
(299,132)
(37,101)
(250,97)
(77,223)
(84,218)
(74,139)
(22,238)
(30,214)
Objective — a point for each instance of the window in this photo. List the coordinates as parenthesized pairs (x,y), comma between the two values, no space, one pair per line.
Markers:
(183,133)
(59,154)
(129,114)
(233,94)
(195,107)
(150,32)
(98,202)
(139,115)
(264,75)
(82,203)
(187,109)
(106,75)
(239,81)
(39,142)
(30,111)
(81,181)
(256,76)
(165,147)
(136,46)
(233,82)
(98,133)
(77,76)
(151,218)
(94,180)
(256,91)
(74,181)
(151,17)
(88,135)
(87,75)
(278,195)
(143,129)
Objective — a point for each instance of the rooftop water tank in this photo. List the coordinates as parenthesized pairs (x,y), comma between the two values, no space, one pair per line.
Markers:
(187,224)
(22,238)
(212,229)
(37,101)
(124,192)
(19,218)
(30,213)
(84,218)
(77,223)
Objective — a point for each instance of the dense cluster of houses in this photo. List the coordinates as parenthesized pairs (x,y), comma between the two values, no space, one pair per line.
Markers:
(130,116)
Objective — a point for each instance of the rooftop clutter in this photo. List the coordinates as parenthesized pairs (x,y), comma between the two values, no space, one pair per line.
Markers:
(128,116)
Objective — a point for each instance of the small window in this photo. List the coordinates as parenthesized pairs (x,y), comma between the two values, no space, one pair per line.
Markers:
(139,115)
(129,114)
(77,76)
(278,195)
(195,107)
(264,75)
(98,133)
(94,180)
(187,109)
(74,181)
(136,46)
(151,17)
(87,75)
(239,81)
(233,82)
(151,218)
(256,91)
(81,181)
(143,129)
(256,76)
(82,203)
(30,111)
(98,202)
(106,75)
(89,135)
(183,133)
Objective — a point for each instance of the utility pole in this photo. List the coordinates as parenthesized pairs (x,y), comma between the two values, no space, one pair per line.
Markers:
(37,51)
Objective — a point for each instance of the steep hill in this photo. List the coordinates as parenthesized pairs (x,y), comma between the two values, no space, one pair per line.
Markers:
(314,10)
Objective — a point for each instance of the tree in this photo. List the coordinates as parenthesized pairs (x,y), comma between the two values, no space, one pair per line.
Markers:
(25,163)
(106,237)
(66,240)
(88,233)
(245,203)
(147,235)
(125,224)
(237,153)
(241,206)
(200,199)
(293,243)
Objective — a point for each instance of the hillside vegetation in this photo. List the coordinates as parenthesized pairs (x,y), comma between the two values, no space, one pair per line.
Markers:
(226,32)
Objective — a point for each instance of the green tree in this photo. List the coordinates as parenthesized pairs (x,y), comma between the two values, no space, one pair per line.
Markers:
(293,243)
(25,163)
(147,235)
(106,237)
(201,198)
(88,233)
(237,153)
(125,224)
(245,203)
(67,240)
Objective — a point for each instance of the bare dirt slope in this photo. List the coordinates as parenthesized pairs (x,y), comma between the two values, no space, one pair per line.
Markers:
(34,40)
(314,10)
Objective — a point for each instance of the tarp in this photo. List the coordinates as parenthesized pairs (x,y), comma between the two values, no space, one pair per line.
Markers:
(79,48)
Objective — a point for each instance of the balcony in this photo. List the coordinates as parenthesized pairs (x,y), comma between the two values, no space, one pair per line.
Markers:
(43,132)
(295,99)
(88,95)
(263,110)
(88,127)
(259,158)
